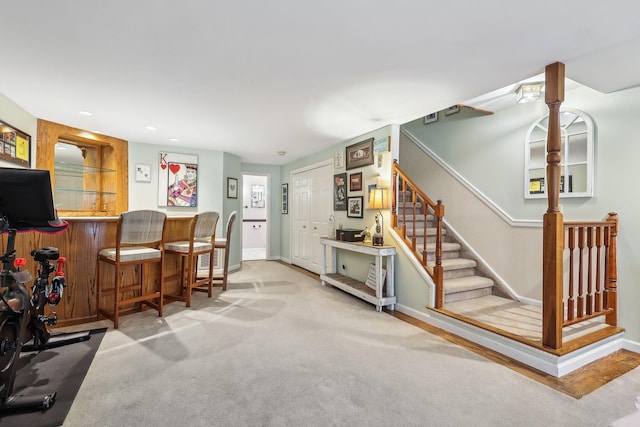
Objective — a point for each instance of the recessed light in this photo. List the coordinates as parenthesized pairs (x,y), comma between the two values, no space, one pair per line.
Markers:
(151,128)
(174,139)
(86,113)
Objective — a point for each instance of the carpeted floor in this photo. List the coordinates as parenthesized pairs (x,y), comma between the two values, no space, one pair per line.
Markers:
(279,349)
(61,370)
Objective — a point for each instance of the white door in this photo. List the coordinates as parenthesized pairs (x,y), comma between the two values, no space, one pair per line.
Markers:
(300,212)
(321,209)
(311,207)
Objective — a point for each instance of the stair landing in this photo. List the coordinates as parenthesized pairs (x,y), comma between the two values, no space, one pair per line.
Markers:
(520,321)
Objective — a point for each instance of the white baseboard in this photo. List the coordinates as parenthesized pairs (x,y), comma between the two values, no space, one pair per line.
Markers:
(556,366)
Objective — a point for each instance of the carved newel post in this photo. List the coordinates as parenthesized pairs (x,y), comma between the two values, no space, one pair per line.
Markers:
(553,231)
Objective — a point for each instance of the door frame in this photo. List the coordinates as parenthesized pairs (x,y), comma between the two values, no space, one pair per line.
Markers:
(269,203)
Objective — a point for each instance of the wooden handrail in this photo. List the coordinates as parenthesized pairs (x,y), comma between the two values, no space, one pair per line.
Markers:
(420,205)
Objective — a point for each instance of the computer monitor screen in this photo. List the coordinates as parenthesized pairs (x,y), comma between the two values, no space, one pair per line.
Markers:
(25,197)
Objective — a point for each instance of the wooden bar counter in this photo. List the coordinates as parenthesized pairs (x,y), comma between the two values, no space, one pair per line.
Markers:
(80,244)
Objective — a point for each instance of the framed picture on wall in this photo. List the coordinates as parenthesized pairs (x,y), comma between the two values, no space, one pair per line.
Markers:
(340,192)
(285,198)
(360,154)
(355,182)
(430,118)
(355,207)
(143,172)
(232,188)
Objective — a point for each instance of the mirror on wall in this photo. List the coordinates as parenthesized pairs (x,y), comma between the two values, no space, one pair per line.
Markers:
(577,138)
(77,180)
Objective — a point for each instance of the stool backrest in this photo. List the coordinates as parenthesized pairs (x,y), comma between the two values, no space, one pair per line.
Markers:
(232,217)
(142,226)
(205,225)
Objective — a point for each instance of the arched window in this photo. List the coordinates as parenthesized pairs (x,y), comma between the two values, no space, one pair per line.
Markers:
(576,173)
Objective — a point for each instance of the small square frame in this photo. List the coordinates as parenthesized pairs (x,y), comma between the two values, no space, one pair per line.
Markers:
(430,118)
(354,207)
(452,110)
(143,172)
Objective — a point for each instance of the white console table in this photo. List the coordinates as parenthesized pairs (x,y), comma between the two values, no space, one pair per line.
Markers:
(356,287)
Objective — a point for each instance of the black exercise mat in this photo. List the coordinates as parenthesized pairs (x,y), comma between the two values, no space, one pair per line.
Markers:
(61,370)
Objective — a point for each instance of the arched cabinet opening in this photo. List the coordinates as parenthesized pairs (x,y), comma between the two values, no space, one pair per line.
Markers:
(89,171)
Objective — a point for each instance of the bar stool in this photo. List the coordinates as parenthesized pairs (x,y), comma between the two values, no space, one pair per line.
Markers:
(224,243)
(202,236)
(139,241)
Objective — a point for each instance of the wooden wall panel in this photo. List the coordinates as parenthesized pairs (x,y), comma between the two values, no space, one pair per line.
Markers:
(80,244)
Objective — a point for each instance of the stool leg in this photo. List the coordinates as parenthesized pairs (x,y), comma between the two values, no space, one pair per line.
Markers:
(161,284)
(116,298)
(210,277)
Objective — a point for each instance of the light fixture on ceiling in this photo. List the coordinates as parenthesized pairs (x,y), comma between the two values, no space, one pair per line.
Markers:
(152,128)
(528,92)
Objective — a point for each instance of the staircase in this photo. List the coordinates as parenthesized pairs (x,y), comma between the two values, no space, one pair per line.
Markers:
(462,280)
(469,300)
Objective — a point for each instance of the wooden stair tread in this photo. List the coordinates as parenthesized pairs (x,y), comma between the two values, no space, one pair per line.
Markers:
(455,263)
(468,283)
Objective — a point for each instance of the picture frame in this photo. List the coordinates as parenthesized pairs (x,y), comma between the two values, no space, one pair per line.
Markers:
(359,154)
(143,172)
(382,145)
(177,180)
(15,145)
(452,110)
(338,160)
(430,118)
(355,207)
(340,192)
(232,188)
(355,181)
(284,194)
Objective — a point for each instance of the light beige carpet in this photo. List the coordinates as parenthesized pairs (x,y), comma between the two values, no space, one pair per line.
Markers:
(279,349)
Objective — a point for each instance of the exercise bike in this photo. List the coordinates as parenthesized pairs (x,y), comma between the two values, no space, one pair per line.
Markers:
(23,323)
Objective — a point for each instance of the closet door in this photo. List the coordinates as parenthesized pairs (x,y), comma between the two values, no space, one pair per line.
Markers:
(300,226)
(312,204)
(321,208)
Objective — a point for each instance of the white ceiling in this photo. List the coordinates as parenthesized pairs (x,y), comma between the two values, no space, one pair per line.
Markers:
(254,77)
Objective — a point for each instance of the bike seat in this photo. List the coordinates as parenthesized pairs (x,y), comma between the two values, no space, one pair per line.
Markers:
(45,254)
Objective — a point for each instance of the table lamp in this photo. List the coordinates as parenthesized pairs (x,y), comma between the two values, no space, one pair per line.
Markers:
(379,199)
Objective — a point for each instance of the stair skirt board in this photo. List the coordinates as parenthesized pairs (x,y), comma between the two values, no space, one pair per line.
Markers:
(556,366)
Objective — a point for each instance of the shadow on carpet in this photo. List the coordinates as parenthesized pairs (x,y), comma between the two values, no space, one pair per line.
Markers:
(61,370)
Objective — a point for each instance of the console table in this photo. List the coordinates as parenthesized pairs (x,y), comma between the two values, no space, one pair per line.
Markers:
(375,296)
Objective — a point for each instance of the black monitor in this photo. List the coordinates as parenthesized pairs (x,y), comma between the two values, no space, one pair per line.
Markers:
(25,197)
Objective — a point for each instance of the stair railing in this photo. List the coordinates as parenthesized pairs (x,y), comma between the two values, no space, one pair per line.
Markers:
(420,205)
(592,279)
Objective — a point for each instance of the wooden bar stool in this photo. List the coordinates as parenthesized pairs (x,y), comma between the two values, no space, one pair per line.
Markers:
(223,243)
(139,241)
(202,235)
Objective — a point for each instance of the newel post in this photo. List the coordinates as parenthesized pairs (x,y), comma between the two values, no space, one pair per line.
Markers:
(553,228)
(394,194)
(611,285)
(438,269)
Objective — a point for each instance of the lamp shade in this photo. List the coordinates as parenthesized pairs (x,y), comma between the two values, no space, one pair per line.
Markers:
(379,198)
